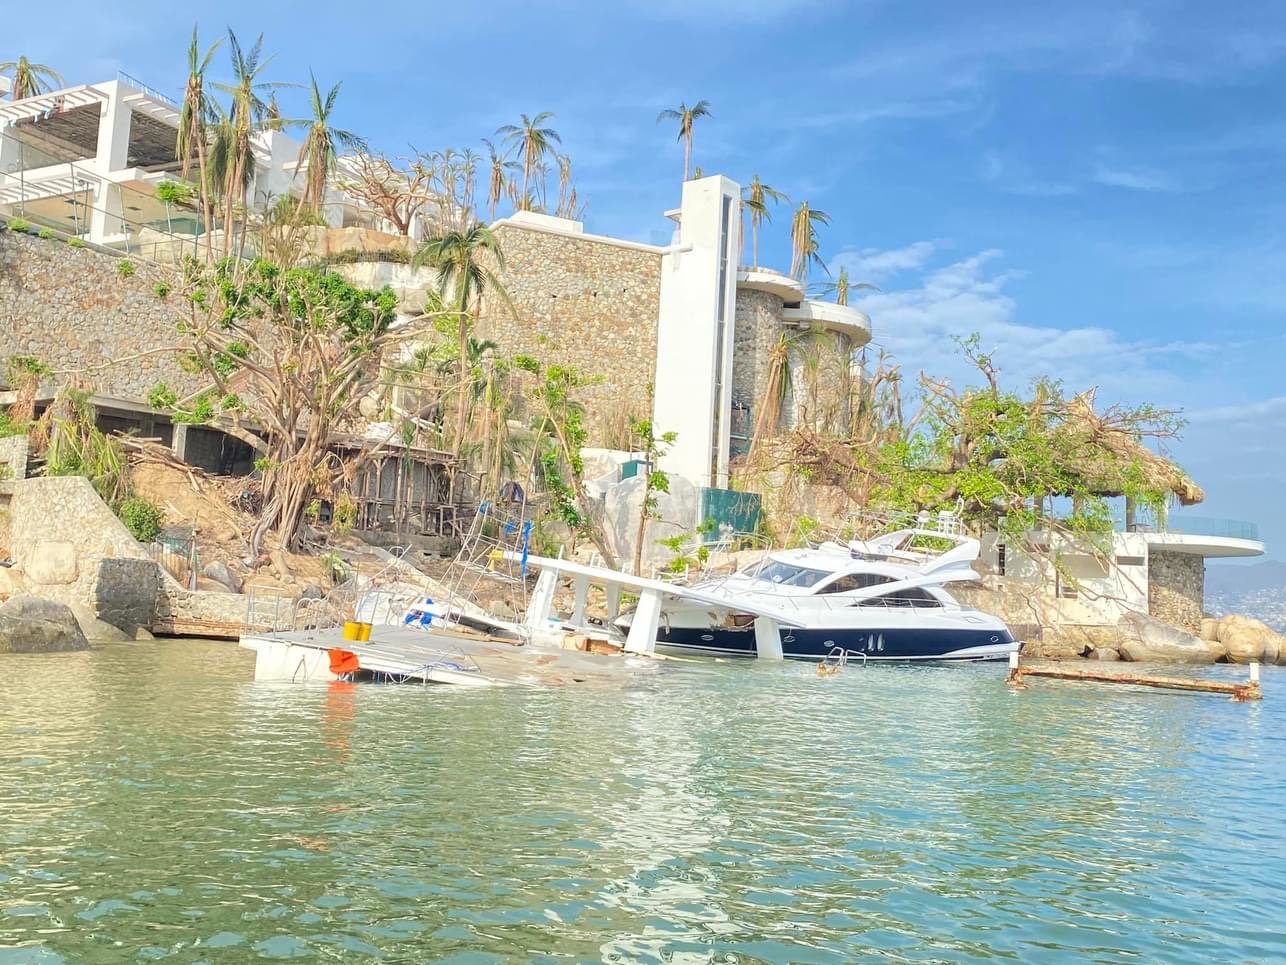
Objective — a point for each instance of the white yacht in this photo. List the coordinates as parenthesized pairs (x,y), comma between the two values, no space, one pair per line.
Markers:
(878,599)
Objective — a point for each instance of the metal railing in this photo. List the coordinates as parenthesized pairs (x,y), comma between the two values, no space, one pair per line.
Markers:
(151,92)
(1182,524)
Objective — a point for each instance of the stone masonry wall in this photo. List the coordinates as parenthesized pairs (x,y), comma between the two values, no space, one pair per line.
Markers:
(585,303)
(756,332)
(72,309)
(1176,589)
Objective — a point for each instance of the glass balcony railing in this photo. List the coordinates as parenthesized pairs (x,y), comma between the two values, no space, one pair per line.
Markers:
(1199,526)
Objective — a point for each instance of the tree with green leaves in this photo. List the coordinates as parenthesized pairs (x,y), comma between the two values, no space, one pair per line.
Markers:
(842,287)
(292,350)
(790,345)
(560,434)
(500,170)
(655,481)
(756,198)
(531,142)
(31,80)
(463,261)
(687,118)
(804,244)
(323,142)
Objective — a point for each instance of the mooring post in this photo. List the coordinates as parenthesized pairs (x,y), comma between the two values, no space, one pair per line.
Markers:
(1254,672)
(1015,678)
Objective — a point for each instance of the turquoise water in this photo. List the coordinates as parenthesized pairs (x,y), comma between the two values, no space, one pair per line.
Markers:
(157,804)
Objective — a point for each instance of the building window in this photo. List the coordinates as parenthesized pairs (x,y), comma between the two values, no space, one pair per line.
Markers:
(716,423)
(1130,561)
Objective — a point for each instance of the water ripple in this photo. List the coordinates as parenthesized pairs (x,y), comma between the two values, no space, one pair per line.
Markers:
(159,805)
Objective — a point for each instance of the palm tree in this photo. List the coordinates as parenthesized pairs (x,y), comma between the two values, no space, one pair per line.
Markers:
(195,114)
(532,143)
(803,240)
(323,143)
(31,79)
(463,277)
(687,117)
(247,111)
(501,170)
(757,195)
(842,286)
(790,344)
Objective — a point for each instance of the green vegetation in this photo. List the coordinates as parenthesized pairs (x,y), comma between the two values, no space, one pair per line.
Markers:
(19,224)
(755,199)
(45,234)
(653,447)
(161,289)
(125,268)
(75,243)
(142,518)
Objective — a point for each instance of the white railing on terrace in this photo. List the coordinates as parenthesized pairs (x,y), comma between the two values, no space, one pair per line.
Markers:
(151,92)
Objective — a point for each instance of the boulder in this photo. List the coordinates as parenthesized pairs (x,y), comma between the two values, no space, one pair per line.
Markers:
(1072,642)
(11,582)
(29,624)
(312,591)
(1146,640)
(99,631)
(52,563)
(1209,629)
(1248,640)
(222,573)
(1104,654)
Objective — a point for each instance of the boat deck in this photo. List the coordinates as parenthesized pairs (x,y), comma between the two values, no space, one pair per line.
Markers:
(402,654)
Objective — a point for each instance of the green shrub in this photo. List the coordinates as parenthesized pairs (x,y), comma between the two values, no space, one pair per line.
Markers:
(19,224)
(75,243)
(45,234)
(162,397)
(141,517)
(125,268)
(161,289)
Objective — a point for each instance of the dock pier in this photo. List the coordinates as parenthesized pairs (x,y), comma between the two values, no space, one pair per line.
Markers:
(1240,692)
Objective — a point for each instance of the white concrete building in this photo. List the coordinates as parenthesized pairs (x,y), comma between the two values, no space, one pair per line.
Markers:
(87,160)
(1157,569)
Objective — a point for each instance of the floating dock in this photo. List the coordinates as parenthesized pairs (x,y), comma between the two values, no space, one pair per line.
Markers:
(1250,690)
(401,654)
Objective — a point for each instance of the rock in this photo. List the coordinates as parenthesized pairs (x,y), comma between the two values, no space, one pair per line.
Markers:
(222,573)
(312,591)
(99,631)
(1146,640)
(1209,628)
(1072,641)
(207,585)
(142,634)
(51,563)
(29,624)
(1104,653)
(1248,640)
(11,582)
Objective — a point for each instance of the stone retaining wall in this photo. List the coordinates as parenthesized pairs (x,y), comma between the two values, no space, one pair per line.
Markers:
(587,303)
(1177,588)
(72,309)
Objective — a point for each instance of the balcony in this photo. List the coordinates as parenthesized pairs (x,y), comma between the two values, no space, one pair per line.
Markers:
(1201,535)
(837,318)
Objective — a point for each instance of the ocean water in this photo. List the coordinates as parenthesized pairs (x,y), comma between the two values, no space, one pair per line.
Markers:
(156,804)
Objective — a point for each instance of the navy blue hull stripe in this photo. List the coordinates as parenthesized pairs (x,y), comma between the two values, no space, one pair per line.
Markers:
(909,644)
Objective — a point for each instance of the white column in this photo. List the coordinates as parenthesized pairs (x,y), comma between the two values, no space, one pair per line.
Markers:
(767,639)
(536,619)
(644,624)
(578,618)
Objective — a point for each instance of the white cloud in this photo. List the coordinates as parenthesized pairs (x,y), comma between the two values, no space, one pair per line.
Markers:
(1136,179)
(1265,410)
(873,265)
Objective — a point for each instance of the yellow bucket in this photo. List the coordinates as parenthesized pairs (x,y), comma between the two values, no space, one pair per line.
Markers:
(363,631)
(353,630)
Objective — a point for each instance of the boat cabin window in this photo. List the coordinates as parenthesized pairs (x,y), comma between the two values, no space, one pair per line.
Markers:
(912,596)
(855,581)
(787,574)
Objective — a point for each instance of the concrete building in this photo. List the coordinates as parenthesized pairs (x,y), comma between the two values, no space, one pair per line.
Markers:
(87,160)
(1155,568)
(678,332)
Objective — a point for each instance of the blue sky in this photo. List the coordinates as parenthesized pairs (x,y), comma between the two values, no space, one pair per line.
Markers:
(1095,188)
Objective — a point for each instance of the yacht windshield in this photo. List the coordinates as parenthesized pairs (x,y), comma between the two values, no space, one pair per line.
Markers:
(787,574)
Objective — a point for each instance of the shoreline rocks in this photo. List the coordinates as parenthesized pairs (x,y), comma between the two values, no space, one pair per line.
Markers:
(29,624)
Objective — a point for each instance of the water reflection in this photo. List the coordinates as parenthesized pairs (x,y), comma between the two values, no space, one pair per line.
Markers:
(157,803)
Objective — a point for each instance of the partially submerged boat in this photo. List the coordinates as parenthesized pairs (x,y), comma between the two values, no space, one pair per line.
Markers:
(877,599)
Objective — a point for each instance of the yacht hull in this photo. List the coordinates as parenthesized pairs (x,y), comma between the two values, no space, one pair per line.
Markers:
(900,643)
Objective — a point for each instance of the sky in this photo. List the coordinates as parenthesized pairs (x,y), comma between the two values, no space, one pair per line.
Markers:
(1096,188)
